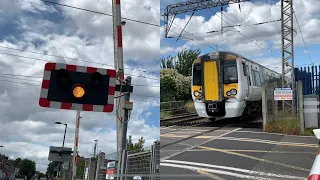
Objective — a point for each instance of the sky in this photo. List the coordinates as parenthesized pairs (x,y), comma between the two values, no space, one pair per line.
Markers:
(260,43)
(33,32)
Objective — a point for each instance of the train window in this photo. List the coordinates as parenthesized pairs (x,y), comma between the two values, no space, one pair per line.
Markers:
(197,75)
(230,57)
(230,73)
(256,78)
(245,72)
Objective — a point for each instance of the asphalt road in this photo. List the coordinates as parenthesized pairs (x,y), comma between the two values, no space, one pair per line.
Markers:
(235,153)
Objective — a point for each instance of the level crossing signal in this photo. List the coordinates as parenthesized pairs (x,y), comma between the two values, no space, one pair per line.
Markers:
(73,87)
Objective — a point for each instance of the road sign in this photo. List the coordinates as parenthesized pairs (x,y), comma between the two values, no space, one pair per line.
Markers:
(60,154)
(111,164)
(82,88)
(282,94)
(110,173)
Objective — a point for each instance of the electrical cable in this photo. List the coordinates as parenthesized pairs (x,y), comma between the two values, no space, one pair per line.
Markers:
(97,12)
(37,59)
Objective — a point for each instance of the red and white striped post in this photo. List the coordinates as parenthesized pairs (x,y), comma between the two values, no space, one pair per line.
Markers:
(315,170)
(75,149)
(118,63)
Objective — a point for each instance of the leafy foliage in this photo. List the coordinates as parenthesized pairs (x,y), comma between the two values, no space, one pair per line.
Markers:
(80,170)
(27,167)
(50,168)
(182,63)
(174,86)
(135,146)
(175,76)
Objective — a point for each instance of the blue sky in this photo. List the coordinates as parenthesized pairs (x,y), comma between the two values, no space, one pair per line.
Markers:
(267,35)
(27,130)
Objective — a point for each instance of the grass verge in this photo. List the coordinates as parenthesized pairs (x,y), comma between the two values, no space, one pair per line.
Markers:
(189,106)
(287,124)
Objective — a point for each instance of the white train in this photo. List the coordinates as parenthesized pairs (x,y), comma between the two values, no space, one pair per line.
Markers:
(225,84)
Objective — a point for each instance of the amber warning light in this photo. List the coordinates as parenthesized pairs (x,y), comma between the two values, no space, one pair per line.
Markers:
(78,91)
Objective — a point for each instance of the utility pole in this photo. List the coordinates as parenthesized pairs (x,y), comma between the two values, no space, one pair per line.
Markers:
(94,155)
(127,107)
(118,63)
(75,149)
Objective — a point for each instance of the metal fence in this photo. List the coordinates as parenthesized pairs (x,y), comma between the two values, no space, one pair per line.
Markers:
(310,77)
(144,162)
(172,108)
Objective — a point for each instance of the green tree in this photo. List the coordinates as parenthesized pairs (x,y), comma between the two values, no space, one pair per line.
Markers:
(185,61)
(50,168)
(27,167)
(135,146)
(167,63)
(182,63)
(17,162)
(80,170)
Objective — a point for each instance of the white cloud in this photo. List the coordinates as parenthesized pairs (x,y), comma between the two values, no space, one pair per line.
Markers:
(241,42)
(28,130)
(148,114)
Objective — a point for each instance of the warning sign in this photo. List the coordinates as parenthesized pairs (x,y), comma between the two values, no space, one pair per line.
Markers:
(282,94)
(110,173)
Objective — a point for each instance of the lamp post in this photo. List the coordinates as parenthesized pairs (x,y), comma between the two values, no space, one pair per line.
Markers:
(64,137)
(1,149)
(65,130)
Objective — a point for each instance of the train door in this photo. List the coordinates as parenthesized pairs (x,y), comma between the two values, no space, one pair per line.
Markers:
(249,80)
(245,80)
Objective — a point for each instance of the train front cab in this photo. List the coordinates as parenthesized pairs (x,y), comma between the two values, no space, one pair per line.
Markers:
(216,85)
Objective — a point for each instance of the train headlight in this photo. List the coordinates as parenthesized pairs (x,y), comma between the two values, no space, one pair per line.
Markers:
(196,93)
(228,93)
(233,92)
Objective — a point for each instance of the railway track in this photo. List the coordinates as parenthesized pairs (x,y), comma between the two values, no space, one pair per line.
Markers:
(183,120)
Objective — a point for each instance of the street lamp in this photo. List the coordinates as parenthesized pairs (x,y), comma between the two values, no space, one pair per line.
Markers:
(65,130)
(1,149)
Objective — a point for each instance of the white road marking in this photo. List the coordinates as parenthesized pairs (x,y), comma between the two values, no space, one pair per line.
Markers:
(187,149)
(232,169)
(214,171)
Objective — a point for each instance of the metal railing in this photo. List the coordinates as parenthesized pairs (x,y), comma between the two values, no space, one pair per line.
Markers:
(143,162)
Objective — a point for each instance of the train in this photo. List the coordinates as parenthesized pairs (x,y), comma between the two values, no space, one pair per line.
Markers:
(227,85)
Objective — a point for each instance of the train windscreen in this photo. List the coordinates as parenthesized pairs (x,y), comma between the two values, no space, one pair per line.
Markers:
(197,80)
(230,73)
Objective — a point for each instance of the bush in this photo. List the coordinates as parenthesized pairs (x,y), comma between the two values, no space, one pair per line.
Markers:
(174,86)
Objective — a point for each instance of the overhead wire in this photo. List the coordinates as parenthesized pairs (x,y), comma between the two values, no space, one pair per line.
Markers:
(248,37)
(38,59)
(97,12)
(302,36)
(75,59)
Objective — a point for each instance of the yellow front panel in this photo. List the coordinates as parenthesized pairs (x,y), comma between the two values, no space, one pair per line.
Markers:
(196,88)
(228,87)
(211,83)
